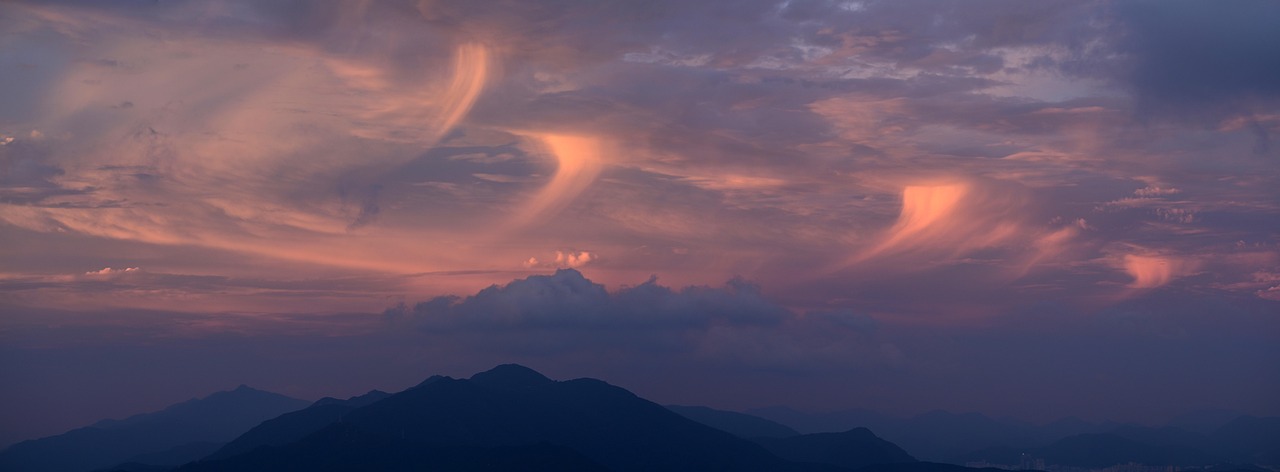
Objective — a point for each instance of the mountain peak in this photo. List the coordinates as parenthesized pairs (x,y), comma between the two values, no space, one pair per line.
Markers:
(510,375)
(241,391)
(432,379)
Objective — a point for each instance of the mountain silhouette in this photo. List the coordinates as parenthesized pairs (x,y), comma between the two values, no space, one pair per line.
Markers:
(356,401)
(1239,444)
(925,467)
(1205,420)
(935,436)
(1100,450)
(855,448)
(1107,449)
(507,415)
(294,426)
(829,422)
(1250,439)
(177,434)
(739,424)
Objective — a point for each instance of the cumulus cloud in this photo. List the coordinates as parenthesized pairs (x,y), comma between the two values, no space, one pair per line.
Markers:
(566,313)
(563,259)
(568,298)
(109,271)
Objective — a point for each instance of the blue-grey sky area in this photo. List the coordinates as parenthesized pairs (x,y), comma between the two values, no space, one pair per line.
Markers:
(1026,209)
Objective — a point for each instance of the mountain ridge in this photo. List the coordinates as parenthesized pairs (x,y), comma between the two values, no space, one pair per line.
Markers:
(175,432)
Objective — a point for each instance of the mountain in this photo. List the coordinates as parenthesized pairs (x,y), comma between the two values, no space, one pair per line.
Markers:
(855,448)
(829,422)
(925,467)
(1107,449)
(1235,445)
(1100,450)
(293,426)
(1250,439)
(1070,426)
(177,434)
(934,436)
(356,401)
(508,415)
(1205,420)
(942,436)
(739,424)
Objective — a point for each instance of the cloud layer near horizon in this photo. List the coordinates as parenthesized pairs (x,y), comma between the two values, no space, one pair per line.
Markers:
(724,345)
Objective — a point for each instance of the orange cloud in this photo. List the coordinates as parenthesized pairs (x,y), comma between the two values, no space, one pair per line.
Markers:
(948,219)
(563,259)
(233,144)
(393,111)
(579,160)
(1151,271)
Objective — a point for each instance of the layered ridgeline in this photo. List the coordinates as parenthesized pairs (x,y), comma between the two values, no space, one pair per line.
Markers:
(856,448)
(1211,440)
(513,418)
(1244,443)
(738,424)
(175,435)
(510,417)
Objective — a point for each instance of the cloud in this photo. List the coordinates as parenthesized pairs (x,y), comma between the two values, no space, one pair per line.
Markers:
(1191,58)
(109,271)
(563,259)
(944,219)
(579,160)
(972,173)
(1151,271)
(566,314)
(133,287)
(696,141)
(567,299)
(259,146)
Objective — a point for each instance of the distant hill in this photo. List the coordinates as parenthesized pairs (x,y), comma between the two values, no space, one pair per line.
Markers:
(174,435)
(924,467)
(1240,444)
(1104,450)
(1250,439)
(971,437)
(508,415)
(853,449)
(828,422)
(739,424)
(934,436)
(1204,420)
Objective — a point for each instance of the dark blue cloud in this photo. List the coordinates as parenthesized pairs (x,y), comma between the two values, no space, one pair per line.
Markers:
(568,300)
(1190,58)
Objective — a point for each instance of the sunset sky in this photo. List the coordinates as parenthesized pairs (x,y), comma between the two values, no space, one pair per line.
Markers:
(1027,209)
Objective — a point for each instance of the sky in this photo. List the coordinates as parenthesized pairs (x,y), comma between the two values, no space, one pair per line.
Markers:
(1026,209)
